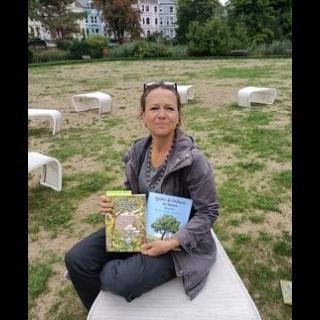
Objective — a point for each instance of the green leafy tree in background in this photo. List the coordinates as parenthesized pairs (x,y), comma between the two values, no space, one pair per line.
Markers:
(166,224)
(121,16)
(56,17)
(189,11)
(211,38)
(264,20)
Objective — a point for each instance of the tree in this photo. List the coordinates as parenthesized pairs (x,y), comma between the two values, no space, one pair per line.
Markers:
(258,16)
(56,17)
(122,16)
(166,224)
(211,38)
(194,10)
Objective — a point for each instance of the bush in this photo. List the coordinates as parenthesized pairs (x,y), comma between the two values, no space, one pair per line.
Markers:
(178,51)
(122,51)
(77,49)
(141,49)
(144,49)
(96,44)
(49,55)
(37,43)
(30,56)
(275,48)
(64,44)
(211,38)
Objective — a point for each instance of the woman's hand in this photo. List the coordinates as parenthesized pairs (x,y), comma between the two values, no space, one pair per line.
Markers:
(106,206)
(159,247)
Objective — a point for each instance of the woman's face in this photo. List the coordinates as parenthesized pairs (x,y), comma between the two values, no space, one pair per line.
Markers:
(161,112)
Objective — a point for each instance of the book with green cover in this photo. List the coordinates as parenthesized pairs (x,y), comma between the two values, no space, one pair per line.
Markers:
(125,227)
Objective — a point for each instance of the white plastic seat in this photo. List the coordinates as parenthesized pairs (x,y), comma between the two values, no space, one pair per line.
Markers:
(256,94)
(93,100)
(186,93)
(224,297)
(55,115)
(51,174)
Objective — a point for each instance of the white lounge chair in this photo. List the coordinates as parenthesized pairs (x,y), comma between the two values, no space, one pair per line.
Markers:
(93,100)
(51,174)
(256,94)
(55,115)
(186,93)
(224,297)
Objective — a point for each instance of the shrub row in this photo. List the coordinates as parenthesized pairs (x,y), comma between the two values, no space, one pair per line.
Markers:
(95,48)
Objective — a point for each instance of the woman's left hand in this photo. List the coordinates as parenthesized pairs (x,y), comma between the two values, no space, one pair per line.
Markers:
(159,247)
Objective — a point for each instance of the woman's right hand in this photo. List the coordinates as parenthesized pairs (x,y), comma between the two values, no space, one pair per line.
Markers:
(106,206)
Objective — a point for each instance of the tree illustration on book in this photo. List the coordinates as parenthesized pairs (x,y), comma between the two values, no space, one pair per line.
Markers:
(167,225)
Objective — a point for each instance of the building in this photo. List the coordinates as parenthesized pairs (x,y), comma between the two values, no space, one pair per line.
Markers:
(158,16)
(92,24)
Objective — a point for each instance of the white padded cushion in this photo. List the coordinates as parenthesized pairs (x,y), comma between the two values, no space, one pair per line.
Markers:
(224,297)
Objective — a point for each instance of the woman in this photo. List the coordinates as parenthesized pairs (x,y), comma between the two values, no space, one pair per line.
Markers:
(167,161)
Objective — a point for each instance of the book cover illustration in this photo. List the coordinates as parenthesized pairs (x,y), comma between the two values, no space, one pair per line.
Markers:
(166,214)
(286,288)
(125,227)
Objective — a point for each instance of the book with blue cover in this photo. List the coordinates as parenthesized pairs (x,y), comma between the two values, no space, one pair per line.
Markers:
(166,214)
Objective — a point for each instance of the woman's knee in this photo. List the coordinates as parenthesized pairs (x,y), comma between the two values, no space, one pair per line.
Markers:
(116,279)
(71,258)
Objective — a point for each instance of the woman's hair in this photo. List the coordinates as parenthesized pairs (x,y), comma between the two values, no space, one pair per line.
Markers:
(163,85)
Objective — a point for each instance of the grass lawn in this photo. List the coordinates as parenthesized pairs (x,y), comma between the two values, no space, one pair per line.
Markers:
(249,148)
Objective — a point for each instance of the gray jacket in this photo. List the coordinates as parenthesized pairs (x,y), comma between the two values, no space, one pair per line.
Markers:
(189,175)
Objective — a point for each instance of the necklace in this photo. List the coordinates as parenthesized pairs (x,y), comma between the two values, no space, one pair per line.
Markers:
(163,169)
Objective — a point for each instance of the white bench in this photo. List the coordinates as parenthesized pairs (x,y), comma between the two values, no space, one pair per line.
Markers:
(256,94)
(55,115)
(92,100)
(51,174)
(186,93)
(224,297)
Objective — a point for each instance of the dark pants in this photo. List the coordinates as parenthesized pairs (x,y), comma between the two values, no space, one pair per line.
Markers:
(129,275)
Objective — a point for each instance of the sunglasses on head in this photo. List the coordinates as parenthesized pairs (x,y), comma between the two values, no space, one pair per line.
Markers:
(168,84)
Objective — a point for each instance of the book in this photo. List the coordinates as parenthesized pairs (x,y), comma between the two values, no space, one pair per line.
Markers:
(166,214)
(286,288)
(125,227)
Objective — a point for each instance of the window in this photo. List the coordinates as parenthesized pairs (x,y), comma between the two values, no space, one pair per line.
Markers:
(142,8)
(95,19)
(171,20)
(148,33)
(92,31)
(148,21)
(161,21)
(171,33)
(142,20)
(97,30)
(171,9)
(147,8)
(87,30)
(167,21)
(155,9)
(156,21)
(160,8)
(91,19)
(87,19)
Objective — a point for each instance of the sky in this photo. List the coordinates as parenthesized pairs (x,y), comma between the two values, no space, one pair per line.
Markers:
(223,1)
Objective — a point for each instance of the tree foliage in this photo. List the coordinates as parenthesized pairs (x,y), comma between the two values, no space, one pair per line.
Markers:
(56,17)
(166,224)
(122,16)
(264,20)
(194,10)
